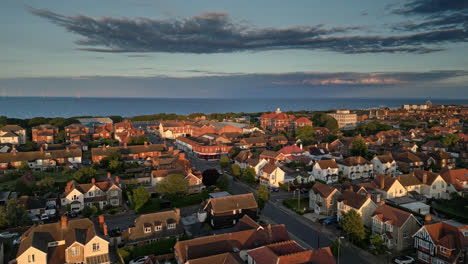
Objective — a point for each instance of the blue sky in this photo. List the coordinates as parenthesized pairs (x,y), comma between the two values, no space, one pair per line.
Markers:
(157,48)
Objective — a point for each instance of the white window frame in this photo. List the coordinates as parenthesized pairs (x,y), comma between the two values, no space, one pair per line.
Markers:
(158,228)
(75,251)
(171,226)
(96,247)
(147,230)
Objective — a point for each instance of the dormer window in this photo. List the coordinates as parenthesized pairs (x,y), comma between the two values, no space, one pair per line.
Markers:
(158,228)
(171,226)
(147,228)
(443,250)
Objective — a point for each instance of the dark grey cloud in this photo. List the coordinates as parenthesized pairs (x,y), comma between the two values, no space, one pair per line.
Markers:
(451,21)
(215,32)
(429,7)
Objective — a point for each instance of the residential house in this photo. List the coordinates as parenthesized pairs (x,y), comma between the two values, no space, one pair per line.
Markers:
(226,211)
(272,156)
(74,241)
(325,170)
(289,252)
(408,161)
(389,186)
(294,153)
(323,199)
(441,243)
(356,168)
(457,181)
(395,226)
(77,133)
(132,153)
(433,145)
(384,164)
(101,131)
(153,227)
(12,134)
(363,205)
(242,157)
(253,143)
(124,131)
(103,193)
(301,122)
(42,159)
(271,175)
(44,133)
(425,183)
(229,246)
(443,159)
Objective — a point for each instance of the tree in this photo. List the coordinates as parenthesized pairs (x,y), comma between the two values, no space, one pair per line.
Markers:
(306,134)
(358,147)
(352,223)
(87,211)
(46,184)
(84,175)
(330,138)
(22,188)
(325,120)
(336,248)
(210,176)
(263,195)
(16,214)
(115,166)
(223,183)
(236,170)
(377,241)
(249,175)
(450,140)
(23,167)
(140,197)
(173,185)
(224,162)
(62,136)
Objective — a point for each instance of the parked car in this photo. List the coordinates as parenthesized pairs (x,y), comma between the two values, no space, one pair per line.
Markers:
(17,241)
(34,218)
(72,214)
(274,189)
(8,234)
(304,190)
(330,220)
(44,217)
(139,260)
(403,260)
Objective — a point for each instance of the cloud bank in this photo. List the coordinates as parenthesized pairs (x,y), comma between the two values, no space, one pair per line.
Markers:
(216,32)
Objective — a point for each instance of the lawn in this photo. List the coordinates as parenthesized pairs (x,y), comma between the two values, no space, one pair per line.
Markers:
(292,203)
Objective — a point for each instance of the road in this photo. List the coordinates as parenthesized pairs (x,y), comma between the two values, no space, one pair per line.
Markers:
(299,227)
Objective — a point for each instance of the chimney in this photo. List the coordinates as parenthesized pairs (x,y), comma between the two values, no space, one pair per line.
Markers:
(412,173)
(382,182)
(104,146)
(382,202)
(67,149)
(125,145)
(42,150)
(368,196)
(181,155)
(270,234)
(171,148)
(146,144)
(93,180)
(300,146)
(398,178)
(104,229)
(108,175)
(117,179)
(14,151)
(176,152)
(430,169)
(69,186)
(64,222)
(427,219)
(424,177)
(101,220)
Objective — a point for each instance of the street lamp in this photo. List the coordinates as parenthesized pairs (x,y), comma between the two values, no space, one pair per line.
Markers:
(340,248)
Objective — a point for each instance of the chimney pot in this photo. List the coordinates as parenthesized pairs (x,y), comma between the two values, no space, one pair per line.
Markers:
(93,180)
(104,229)
(425,177)
(101,220)
(64,222)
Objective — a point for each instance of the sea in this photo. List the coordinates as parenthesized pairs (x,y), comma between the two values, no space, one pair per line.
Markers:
(28,107)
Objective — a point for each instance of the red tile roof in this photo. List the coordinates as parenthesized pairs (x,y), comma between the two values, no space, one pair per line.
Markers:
(394,215)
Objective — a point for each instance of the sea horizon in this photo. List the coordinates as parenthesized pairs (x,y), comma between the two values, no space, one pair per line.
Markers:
(31,106)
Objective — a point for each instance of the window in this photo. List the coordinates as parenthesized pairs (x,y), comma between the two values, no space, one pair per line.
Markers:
(147,229)
(433,187)
(423,256)
(91,194)
(95,247)
(405,234)
(75,251)
(443,250)
(31,258)
(171,226)
(158,228)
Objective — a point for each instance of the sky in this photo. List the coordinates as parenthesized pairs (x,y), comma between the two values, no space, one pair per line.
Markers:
(226,49)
